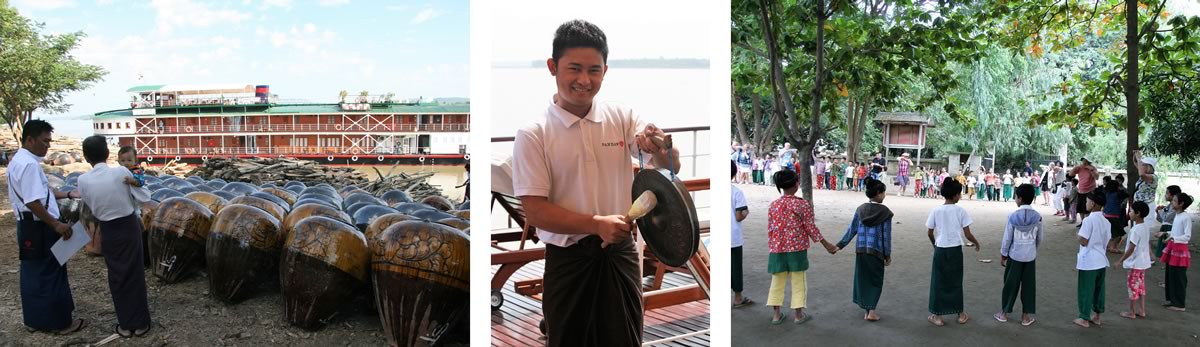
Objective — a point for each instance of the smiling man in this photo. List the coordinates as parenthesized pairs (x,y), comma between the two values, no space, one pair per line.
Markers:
(573,173)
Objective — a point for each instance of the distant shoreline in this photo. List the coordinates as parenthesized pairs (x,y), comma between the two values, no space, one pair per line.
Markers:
(659,63)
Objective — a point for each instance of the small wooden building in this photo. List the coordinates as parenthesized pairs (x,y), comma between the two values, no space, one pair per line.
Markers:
(904,130)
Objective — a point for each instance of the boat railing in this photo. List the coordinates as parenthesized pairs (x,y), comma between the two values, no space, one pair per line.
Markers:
(284,151)
(276,128)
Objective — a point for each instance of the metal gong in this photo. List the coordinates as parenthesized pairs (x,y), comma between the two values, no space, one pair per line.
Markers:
(671,229)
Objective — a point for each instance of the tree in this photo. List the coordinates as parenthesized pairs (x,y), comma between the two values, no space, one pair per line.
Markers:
(342,96)
(1175,120)
(37,71)
(1146,57)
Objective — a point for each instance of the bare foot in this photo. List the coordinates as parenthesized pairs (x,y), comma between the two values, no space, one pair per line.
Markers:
(1129,315)
(871,316)
(935,320)
(1081,322)
(963,318)
(1096,319)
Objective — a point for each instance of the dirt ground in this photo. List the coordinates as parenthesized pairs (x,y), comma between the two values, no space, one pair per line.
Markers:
(904,304)
(182,313)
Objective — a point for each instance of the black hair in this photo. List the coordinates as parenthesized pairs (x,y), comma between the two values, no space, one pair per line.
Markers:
(950,188)
(1097,197)
(130,149)
(34,128)
(95,149)
(1111,186)
(733,167)
(785,179)
(1141,209)
(1120,178)
(1174,190)
(1025,192)
(579,33)
(874,187)
(1184,199)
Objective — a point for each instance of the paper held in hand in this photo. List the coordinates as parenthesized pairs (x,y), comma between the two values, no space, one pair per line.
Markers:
(64,249)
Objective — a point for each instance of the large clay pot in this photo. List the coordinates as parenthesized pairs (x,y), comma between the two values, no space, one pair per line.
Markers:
(314,200)
(432,215)
(411,207)
(364,216)
(271,207)
(381,223)
(324,265)
(308,210)
(464,214)
(286,195)
(178,235)
(164,194)
(456,223)
(421,274)
(212,201)
(272,198)
(242,252)
(149,208)
(240,188)
(438,202)
(361,197)
(393,197)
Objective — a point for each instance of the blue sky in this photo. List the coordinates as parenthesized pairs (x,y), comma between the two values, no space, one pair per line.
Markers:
(303,49)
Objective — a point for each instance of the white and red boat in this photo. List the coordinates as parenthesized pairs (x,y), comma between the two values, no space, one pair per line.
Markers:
(192,123)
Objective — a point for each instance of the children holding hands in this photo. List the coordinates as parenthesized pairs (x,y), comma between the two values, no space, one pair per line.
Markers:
(1018,252)
(790,228)
(872,224)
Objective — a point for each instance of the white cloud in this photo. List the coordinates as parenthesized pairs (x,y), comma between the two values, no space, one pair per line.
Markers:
(424,16)
(308,39)
(277,3)
(396,7)
(333,2)
(310,28)
(104,2)
(184,13)
(45,4)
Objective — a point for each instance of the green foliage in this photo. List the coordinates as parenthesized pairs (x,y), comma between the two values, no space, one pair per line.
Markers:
(38,70)
(1175,120)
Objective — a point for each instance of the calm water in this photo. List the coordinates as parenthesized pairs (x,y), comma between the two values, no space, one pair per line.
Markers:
(669,98)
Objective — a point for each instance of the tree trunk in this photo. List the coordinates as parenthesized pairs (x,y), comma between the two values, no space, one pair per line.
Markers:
(1131,92)
(739,117)
(814,125)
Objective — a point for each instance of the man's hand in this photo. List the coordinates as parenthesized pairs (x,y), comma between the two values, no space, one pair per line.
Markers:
(643,139)
(887,261)
(131,181)
(1003,261)
(612,229)
(63,229)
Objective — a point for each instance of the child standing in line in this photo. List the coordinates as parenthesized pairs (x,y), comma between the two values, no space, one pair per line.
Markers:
(872,223)
(1166,216)
(997,185)
(862,176)
(1114,212)
(1018,252)
(1176,255)
(947,225)
(1007,185)
(1073,200)
(849,176)
(790,228)
(830,184)
(1092,261)
(1137,260)
(739,213)
(918,182)
(971,183)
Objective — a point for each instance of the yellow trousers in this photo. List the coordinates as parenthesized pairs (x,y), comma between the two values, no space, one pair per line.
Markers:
(799,289)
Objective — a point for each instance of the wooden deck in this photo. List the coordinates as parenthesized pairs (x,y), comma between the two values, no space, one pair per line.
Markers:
(516,323)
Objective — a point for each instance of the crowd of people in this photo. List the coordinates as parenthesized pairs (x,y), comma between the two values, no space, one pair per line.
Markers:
(1112,224)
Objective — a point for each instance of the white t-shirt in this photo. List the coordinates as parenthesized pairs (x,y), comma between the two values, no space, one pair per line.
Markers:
(850,171)
(738,202)
(1181,228)
(947,222)
(1139,237)
(1096,230)
(584,165)
(1008,179)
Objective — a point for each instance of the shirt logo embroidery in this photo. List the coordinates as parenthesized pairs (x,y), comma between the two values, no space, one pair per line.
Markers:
(613,144)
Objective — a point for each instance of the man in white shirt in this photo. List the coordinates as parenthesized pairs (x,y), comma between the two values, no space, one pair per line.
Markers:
(573,171)
(738,213)
(46,301)
(108,191)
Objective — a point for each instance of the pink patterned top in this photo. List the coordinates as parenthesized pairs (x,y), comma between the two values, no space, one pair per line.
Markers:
(787,233)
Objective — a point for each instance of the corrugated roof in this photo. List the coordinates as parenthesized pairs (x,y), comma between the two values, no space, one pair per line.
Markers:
(903,117)
(195,89)
(146,88)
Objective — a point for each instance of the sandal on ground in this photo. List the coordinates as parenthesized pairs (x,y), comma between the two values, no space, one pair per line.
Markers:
(1029,322)
(963,319)
(76,325)
(1129,315)
(1096,321)
(801,320)
(745,302)
(143,331)
(777,321)
(933,320)
(1001,317)
(1176,308)
(122,332)
(1081,322)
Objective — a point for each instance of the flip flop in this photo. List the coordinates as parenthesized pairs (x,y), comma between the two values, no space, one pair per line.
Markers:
(777,321)
(934,322)
(745,302)
(1030,322)
(807,317)
(1176,309)
(82,323)
(144,332)
(1000,317)
(117,329)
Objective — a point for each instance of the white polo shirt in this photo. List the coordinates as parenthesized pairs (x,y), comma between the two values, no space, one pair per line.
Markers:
(27,180)
(104,190)
(947,222)
(1097,231)
(584,165)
